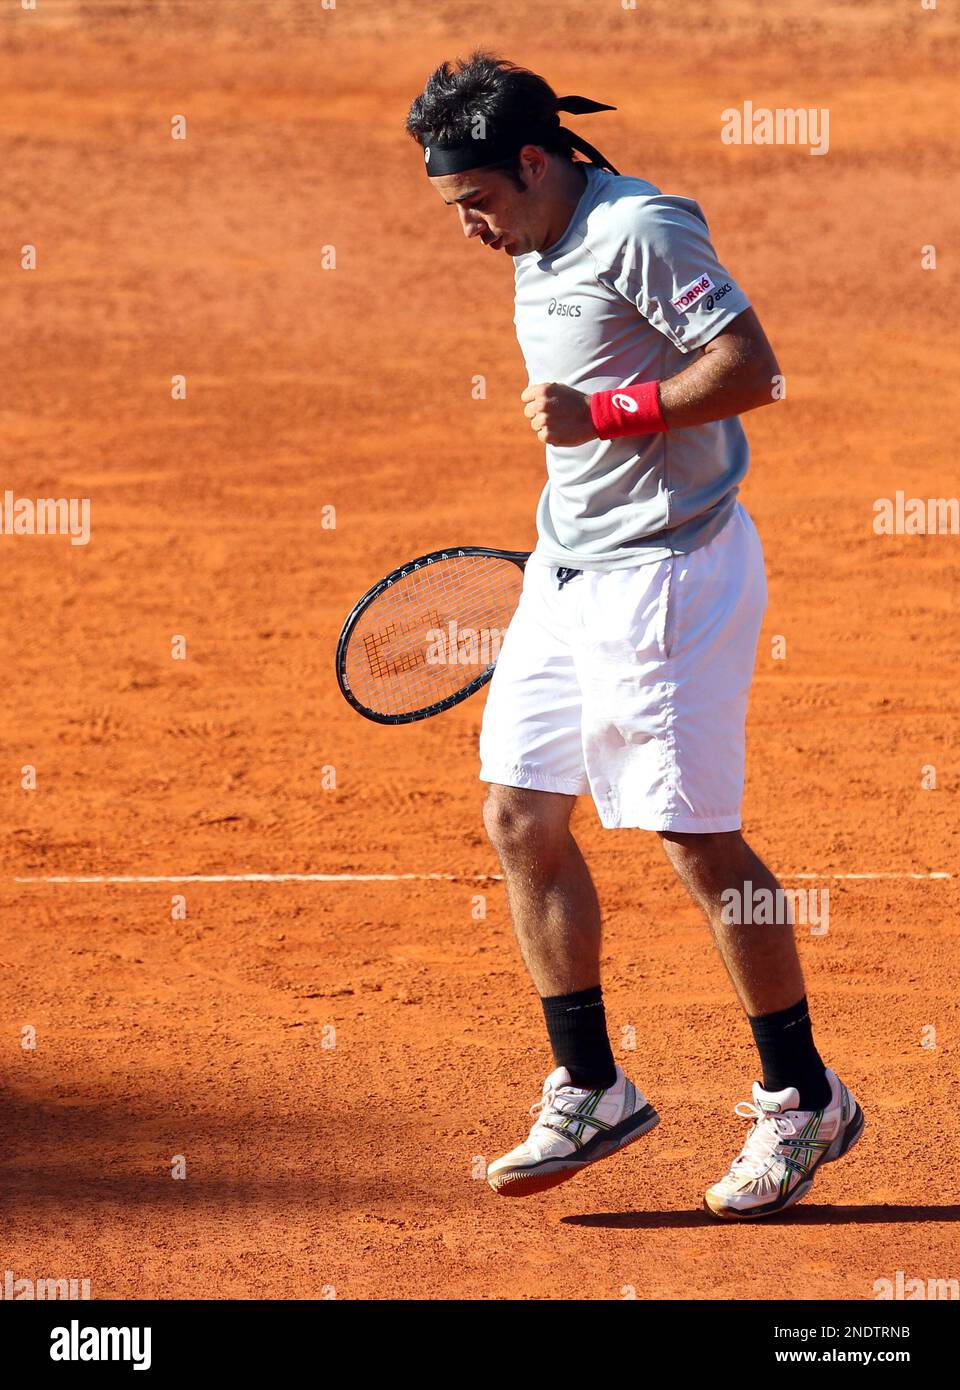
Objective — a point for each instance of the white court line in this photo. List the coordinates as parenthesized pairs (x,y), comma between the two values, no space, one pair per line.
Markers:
(257,878)
(893,875)
(377,878)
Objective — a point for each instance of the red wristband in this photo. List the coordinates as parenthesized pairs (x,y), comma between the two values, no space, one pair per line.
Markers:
(628,410)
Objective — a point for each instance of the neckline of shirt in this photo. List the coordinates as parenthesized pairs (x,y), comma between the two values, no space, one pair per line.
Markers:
(592,172)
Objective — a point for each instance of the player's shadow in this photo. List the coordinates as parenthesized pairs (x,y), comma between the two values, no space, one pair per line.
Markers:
(104,1153)
(881,1214)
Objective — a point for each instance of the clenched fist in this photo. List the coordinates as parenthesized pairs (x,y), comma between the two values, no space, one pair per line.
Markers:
(558,414)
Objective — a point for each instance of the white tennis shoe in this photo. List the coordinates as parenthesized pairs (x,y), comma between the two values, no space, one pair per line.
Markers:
(784,1148)
(574,1127)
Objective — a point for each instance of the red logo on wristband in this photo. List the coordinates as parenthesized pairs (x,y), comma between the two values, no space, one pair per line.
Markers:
(626,403)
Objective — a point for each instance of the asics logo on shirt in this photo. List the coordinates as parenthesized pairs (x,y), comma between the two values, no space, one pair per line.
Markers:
(564,311)
(712,299)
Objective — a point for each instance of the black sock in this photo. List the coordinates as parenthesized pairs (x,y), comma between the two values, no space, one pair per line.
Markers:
(789,1056)
(577,1025)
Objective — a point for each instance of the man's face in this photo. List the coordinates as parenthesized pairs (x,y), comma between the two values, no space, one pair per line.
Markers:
(493,208)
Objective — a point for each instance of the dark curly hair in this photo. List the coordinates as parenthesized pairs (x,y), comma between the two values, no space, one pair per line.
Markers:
(506,97)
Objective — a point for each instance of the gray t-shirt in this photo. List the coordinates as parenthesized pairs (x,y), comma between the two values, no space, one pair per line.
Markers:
(631,289)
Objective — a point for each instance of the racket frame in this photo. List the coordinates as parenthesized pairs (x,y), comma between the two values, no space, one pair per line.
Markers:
(517,557)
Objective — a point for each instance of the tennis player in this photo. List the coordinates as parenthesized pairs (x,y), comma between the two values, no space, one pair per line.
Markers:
(625,672)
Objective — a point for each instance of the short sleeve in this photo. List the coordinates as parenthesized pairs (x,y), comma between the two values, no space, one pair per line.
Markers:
(667,266)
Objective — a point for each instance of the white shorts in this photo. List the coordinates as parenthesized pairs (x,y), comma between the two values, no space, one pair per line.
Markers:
(632,685)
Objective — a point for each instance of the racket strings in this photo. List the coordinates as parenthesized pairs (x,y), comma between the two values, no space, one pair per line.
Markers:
(378,646)
(432,633)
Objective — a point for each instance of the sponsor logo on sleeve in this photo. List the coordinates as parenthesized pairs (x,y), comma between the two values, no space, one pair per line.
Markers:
(691,294)
(716,297)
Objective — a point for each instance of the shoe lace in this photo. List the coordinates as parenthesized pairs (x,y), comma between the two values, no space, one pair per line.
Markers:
(766,1134)
(549,1105)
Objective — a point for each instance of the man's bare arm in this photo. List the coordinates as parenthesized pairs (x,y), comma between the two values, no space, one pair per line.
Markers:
(735,374)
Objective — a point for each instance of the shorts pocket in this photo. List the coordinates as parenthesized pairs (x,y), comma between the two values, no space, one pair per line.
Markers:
(668,614)
(632,621)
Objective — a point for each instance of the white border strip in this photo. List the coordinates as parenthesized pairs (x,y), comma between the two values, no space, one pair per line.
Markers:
(379,878)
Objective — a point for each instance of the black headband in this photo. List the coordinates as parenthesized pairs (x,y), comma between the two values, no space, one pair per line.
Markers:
(475,152)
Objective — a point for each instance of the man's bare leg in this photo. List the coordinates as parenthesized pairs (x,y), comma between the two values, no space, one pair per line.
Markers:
(556,917)
(761,960)
(589,1110)
(553,902)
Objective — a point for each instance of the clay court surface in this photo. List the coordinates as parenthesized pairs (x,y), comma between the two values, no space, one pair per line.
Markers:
(351,1168)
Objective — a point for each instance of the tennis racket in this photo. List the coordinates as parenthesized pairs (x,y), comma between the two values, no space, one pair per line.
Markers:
(428,635)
